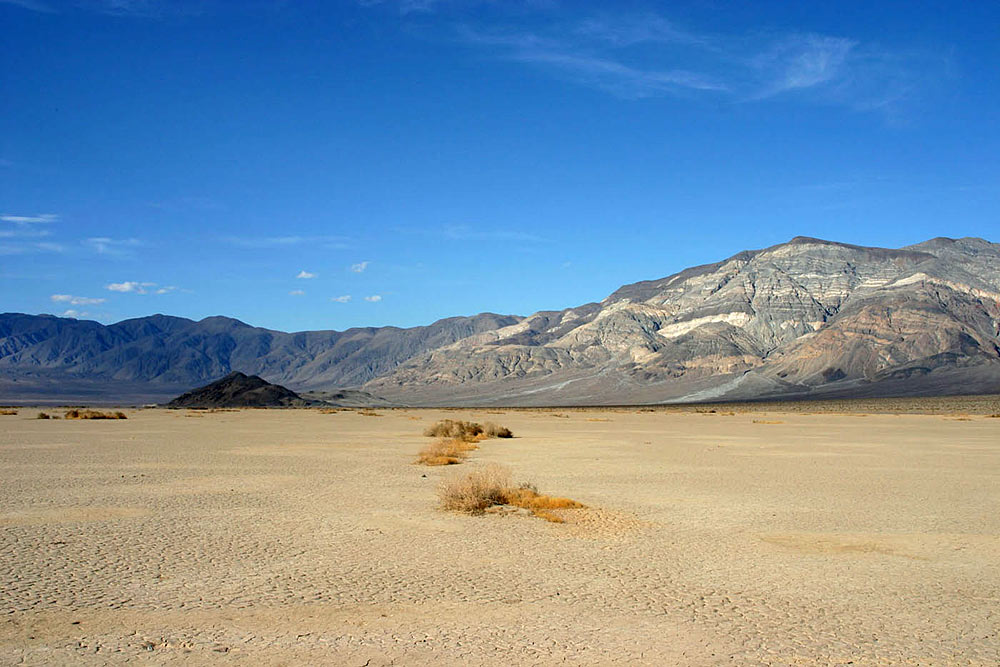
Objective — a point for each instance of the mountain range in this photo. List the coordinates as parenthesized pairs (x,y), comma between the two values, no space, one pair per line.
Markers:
(806,318)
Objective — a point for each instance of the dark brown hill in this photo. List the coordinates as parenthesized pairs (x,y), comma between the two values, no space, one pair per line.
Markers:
(238,390)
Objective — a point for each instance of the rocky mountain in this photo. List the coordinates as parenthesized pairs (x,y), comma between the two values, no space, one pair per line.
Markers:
(238,390)
(804,318)
(150,359)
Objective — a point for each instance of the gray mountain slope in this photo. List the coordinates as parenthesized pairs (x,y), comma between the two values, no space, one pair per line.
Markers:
(806,318)
(157,357)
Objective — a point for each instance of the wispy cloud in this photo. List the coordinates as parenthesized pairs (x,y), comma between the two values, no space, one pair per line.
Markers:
(75,314)
(33,5)
(133,8)
(374,298)
(29,248)
(297,292)
(41,218)
(131,287)
(341,299)
(28,227)
(264,242)
(24,232)
(359,267)
(138,8)
(405,6)
(305,275)
(574,56)
(635,56)
(76,300)
(104,245)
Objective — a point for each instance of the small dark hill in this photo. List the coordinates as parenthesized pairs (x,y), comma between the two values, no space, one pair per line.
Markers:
(238,390)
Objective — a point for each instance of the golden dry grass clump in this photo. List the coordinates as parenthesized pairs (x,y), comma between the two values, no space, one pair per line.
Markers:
(7,411)
(452,428)
(493,485)
(43,415)
(92,414)
(369,413)
(492,430)
(445,452)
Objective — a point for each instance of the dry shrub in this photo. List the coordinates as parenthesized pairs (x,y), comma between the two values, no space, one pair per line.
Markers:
(445,452)
(6,411)
(479,489)
(493,485)
(452,428)
(369,413)
(93,414)
(598,419)
(767,421)
(492,430)
(43,415)
(468,431)
(996,416)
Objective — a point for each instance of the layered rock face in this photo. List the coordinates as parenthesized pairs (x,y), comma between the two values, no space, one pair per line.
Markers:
(805,317)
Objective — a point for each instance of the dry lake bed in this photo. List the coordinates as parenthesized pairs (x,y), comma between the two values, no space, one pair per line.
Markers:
(301,537)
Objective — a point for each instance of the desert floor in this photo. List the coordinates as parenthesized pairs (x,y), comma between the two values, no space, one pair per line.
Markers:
(297,537)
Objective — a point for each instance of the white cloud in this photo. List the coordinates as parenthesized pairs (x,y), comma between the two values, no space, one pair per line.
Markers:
(297,292)
(130,286)
(359,267)
(22,232)
(333,242)
(25,248)
(636,56)
(41,218)
(375,298)
(341,299)
(144,9)
(166,290)
(104,245)
(305,275)
(76,314)
(76,300)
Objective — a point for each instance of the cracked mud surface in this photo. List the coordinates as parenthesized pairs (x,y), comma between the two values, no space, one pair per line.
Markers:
(296,537)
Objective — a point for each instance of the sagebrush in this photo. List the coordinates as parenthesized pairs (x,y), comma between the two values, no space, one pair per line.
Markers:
(93,414)
(469,431)
(492,485)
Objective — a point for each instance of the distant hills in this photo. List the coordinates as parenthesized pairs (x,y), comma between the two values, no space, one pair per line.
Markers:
(807,318)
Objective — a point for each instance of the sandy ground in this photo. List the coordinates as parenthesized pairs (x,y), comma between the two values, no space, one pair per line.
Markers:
(291,537)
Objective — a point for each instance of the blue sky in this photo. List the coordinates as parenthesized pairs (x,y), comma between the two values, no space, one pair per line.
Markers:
(322,165)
